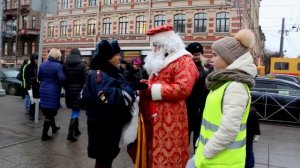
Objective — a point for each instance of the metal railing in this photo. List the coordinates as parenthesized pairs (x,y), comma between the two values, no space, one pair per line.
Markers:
(279,105)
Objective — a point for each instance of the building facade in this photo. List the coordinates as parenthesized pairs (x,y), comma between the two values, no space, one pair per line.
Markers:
(20,35)
(82,23)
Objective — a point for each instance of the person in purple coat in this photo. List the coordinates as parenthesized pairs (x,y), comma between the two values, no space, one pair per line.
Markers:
(51,77)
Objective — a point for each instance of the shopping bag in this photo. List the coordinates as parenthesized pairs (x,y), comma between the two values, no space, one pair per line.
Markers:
(191,163)
(32,101)
(129,131)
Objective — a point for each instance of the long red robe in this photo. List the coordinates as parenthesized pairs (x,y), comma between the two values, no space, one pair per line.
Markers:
(167,132)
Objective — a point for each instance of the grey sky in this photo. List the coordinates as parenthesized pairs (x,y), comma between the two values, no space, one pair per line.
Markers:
(271,14)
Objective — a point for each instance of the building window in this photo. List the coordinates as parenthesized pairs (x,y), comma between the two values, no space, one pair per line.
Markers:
(107,26)
(64,4)
(25,48)
(92,2)
(15,4)
(141,0)
(91,29)
(281,66)
(200,23)
(24,22)
(14,47)
(33,23)
(33,47)
(78,3)
(50,29)
(11,27)
(179,23)
(298,66)
(76,28)
(123,22)
(222,24)
(140,25)
(107,2)
(123,1)
(63,28)
(5,48)
(159,20)
(7,4)
(25,2)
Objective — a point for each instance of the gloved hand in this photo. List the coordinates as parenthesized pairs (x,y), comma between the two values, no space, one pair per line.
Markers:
(138,85)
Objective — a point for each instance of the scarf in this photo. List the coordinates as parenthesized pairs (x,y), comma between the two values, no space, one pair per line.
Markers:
(218,77)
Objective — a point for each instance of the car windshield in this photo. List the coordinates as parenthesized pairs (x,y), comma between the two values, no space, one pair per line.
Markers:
(11,73)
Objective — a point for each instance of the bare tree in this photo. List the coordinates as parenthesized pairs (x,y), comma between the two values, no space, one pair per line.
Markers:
(267,58)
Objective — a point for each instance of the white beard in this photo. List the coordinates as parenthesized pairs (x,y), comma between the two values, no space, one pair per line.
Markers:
(154,62)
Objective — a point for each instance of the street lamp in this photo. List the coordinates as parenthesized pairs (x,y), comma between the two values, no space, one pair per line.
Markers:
(2,91)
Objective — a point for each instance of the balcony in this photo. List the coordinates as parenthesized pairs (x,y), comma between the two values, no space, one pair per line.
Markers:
(25,8)
(26,32)
(10,33)
(9,13)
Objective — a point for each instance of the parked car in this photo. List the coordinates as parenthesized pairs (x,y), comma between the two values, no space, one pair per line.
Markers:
(276,100)
(9,81)
(292,78)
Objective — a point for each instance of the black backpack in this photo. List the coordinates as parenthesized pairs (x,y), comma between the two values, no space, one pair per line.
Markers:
(19,76)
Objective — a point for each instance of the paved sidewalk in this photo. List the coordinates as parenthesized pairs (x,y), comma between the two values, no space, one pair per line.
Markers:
(21,147)
(279,146)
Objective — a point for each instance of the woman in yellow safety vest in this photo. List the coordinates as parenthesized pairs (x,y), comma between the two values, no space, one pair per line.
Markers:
(222,139)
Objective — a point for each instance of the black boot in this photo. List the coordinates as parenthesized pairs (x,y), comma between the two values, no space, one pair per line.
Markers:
(54,127)
(46,126)
(76,127)
(71,131)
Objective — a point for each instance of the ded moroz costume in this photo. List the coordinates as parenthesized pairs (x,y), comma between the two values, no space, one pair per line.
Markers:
(172,76)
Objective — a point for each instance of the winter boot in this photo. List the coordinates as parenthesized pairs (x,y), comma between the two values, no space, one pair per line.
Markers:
(71,131)
(46,126)
(76,132)
(54,127)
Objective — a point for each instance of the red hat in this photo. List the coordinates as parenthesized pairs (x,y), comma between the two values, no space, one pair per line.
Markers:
(159,29)
(163,34)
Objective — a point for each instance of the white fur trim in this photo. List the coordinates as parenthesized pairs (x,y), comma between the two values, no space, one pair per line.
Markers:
(174,56)
(161,37)
(156,92)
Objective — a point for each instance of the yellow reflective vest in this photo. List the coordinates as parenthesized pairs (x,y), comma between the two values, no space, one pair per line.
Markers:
(235,153)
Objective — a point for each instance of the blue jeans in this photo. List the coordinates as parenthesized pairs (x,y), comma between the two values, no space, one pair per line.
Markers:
(75,113)
(27,103)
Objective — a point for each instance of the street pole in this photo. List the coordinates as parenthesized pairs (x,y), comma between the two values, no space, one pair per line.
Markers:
(2,91)
(42,26)
(281,38)
(97,24)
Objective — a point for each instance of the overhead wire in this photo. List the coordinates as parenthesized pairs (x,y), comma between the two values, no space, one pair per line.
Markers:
(293,45)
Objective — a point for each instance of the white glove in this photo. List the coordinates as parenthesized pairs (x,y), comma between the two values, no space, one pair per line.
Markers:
(256,138)
(191,163)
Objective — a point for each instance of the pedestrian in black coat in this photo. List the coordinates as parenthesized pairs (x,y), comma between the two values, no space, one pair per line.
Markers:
(20,78)
(30,82)
(196,101)
(75,73)
(24,91)
(134,72)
